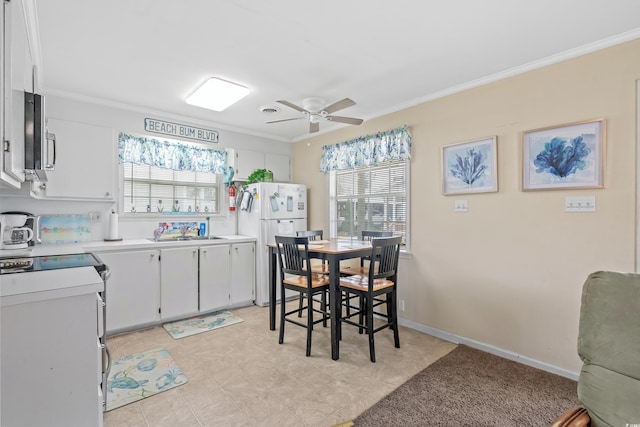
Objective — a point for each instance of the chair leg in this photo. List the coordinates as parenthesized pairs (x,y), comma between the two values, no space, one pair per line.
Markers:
(282,321)
(372,350)
(393,317)
(323,303)
(363,310)
(300,304)
(309,324)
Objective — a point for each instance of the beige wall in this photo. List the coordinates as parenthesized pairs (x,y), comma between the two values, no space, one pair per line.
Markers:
(509,272)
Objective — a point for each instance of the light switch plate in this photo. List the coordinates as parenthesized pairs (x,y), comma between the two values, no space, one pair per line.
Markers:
(580,204)
(461,205)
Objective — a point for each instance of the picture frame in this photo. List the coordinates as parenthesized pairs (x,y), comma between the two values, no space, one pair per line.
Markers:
(568,156)
(470,166)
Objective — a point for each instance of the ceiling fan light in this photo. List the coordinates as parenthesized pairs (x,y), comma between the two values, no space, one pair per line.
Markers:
(217,94)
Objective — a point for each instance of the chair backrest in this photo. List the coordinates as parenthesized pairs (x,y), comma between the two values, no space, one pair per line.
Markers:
(386,252)
(311,234)
(369,234)
(293,256)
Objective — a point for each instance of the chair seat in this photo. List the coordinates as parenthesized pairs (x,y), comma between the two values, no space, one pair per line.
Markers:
(317,280)
(360,282)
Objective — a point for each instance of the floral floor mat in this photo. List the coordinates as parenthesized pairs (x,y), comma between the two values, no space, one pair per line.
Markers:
(141,375)
(196,325)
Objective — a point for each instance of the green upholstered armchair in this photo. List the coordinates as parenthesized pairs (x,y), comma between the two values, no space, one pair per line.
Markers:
(609,346)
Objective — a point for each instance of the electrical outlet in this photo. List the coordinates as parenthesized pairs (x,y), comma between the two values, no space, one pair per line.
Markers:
(580,204)
(95,216)
(461,205)
(401,303)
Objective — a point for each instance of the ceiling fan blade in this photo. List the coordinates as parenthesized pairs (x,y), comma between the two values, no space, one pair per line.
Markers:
(294,106)
(339,105)
(349,120)
(286,120)
(314,127)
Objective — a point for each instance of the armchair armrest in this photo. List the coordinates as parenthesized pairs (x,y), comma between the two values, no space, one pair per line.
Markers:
(574,417)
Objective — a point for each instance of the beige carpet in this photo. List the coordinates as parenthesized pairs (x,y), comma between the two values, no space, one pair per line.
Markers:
(474,388)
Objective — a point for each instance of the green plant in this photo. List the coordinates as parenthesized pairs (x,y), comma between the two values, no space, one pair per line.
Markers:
(260,175)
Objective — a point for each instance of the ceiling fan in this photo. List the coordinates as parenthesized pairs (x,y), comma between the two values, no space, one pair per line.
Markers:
(315,110)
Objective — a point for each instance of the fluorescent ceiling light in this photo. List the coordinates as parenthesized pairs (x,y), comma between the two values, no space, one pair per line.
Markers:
(216,94)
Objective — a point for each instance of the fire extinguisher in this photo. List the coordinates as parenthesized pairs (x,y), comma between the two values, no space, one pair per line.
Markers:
(232,198)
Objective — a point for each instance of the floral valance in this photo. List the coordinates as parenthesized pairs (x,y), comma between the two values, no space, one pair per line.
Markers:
(170,154)
(367,150)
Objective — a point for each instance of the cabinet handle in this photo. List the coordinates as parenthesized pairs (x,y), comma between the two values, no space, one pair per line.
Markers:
(153,255)
(195,251)
(204,251)
(107,194)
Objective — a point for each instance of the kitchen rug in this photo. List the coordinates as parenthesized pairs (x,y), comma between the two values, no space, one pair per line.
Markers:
(196,325)
(141,375)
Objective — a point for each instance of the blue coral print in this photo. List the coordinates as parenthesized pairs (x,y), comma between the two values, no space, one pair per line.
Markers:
(562,157)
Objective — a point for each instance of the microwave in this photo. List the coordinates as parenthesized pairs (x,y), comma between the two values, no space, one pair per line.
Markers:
(39,146)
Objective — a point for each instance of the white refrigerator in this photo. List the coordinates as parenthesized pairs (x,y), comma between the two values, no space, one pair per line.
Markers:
(276,209)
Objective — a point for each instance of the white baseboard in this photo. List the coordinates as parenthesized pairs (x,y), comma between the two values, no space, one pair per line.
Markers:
(456,339)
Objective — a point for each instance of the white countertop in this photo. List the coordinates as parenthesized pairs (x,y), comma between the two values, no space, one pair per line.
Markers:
(122,245)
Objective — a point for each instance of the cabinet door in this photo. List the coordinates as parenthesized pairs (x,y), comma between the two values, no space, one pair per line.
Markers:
(247,162)
(214,277)
(17,77)
(133,290)
(178,282)
(279,165)
(85,162)
(242,272)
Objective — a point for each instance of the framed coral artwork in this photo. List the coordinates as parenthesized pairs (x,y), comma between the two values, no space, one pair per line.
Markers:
(569,156)
(470,167)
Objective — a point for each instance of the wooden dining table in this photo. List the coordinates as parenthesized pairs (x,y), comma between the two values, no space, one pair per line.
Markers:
(333,251)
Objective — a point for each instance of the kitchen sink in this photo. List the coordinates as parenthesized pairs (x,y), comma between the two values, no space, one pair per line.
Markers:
(185,238)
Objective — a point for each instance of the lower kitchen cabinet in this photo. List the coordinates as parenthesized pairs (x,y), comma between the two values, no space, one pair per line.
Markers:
(242,273)
(150,286)
(133,291)
(215,277)
(178,282)
(227,275)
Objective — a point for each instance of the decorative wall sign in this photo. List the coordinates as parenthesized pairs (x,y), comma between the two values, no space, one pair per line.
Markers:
(470,167)
(182,131)
(563,157)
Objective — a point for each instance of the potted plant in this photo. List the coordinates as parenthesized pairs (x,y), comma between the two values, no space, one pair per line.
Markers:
(260,175)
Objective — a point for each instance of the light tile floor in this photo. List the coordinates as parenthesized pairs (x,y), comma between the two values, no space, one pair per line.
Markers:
(240,376)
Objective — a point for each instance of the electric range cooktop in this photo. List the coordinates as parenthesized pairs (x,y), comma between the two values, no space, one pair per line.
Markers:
(51,262)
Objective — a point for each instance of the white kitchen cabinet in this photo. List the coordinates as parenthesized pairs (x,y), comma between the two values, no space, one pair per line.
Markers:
(178,282)
(133,290)
(215,277)
(227,275)
(86,163)
(242,273)
(17,77)
(248,161)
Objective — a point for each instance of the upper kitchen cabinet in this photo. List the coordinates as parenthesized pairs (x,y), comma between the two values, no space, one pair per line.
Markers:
(86,163)
(248,161)
(17,76)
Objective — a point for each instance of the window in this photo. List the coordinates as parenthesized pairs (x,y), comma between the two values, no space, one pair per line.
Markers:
(150,189)
(370,198)
(162,176)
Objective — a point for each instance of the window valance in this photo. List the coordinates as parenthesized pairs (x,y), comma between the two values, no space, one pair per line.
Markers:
(367,150)
(170,154)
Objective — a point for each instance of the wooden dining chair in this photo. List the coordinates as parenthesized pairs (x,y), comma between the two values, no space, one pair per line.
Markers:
(377,287)
(366,236)
(315,268)
(295,275)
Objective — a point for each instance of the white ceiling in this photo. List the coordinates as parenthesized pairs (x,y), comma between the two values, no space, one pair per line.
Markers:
(385,55)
